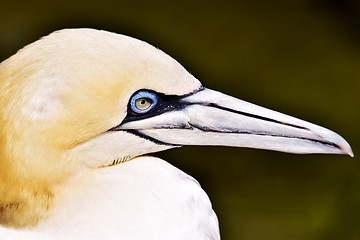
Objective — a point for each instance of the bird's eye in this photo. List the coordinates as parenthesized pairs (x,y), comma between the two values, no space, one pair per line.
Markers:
(143,101)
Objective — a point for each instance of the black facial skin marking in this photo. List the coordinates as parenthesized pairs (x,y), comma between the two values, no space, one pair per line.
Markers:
(165,103)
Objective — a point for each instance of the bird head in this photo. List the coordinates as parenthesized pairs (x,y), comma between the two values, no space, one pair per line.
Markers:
(81,99)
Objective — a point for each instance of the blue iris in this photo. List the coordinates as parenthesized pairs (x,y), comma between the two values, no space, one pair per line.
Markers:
(143,101)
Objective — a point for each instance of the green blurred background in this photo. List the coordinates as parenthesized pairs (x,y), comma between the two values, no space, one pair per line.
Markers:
(300,57)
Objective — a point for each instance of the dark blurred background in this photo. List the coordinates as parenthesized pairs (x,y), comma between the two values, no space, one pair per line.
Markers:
(300,57)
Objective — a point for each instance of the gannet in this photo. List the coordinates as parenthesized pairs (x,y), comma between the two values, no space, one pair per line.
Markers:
(80,108)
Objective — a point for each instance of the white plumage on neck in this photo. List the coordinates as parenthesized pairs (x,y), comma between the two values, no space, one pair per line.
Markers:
(145,198)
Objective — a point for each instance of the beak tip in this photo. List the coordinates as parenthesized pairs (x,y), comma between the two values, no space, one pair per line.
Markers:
(347,150)
(343,147)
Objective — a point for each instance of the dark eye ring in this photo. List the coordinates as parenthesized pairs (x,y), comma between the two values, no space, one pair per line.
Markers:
(143,101)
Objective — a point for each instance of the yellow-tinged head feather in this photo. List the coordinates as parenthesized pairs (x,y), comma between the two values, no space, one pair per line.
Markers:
(58,94)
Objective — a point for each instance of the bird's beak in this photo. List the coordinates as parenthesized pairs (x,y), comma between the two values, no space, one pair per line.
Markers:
(208,117)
